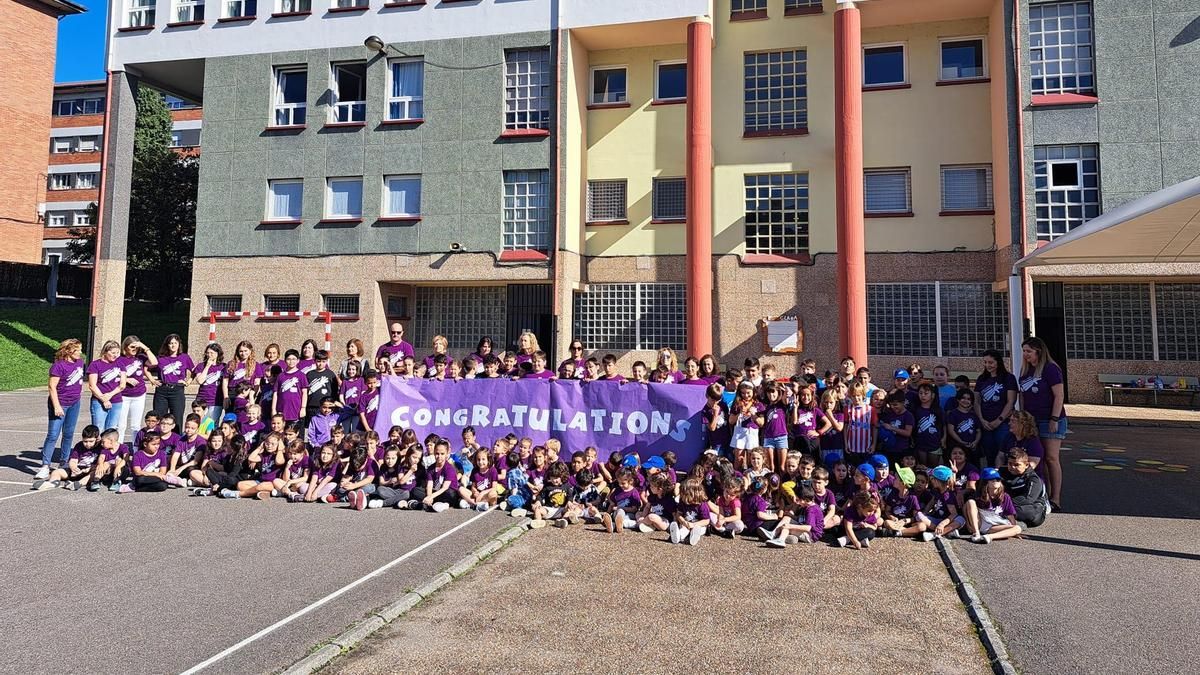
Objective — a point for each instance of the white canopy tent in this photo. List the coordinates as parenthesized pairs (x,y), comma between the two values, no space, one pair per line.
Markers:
(1163,227)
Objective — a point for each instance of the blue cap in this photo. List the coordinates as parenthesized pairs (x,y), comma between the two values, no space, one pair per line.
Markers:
(229,417)
(991,473)
(655,462)
(900,374)
(879,461)
(630,461)
(867,470)
(942,473)
(832,458)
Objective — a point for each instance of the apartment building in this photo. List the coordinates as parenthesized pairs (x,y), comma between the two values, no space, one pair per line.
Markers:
(73,173)
(632,174)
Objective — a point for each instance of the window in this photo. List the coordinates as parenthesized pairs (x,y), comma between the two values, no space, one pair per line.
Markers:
(670,81)
(236,9)
(295,6)
(527,89)
(85,181)
(185,138)
(140,14)
(776,92)
(60,146)
(350,92)
(461,313)
(608,85)
(632,316)
(79,106)
(291,93)
(53,258)
(1178,315)
(350,4)
(967,188)
(935,319)
(60,181)
(669,197)
(884,66)
(86,144)
(963,59)
(341,306)
(344,198)
(777,213)
(56,219)
(1066,188)
(224,303)
(794,7)
(406,91)
(285,199)
(526,223)
(748,9)
(606,201)
(82,219)
(402,196)
(1060,48)
(888,191)
(1112,322)
(281,303)
(185,11)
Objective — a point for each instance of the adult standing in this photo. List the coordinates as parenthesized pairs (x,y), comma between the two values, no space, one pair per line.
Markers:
(527,346)
(174,365)
(62,403)
(996,395)
(106,381)
(356,353)
(483,349)
(395,348)
(135,358)
(441,347)
(1042,396)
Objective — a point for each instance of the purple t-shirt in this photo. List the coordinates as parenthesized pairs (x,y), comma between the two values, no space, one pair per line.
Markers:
(150,463)
(208,386)
(268,469)
(484,480)
(306,365)
(775,425)
(331,472)
(927,434)
(993,394)
(296,468)
(1037,397)
(939,506)
(853,516)
(240,374)
(445,476)
(699,381)
(694,513)
(628,500)
(108,376)
(174,369)
(751,505)
(905,507)
(367,470)
(748,421)
(808,419)
(368,403)
(135,375)
(1002,507)
(84,457)
(352,390)
(186,449)
(826,500)
(718,437)
(833,439)
(544,375)
(251,430)
(888,488)
(964,424)
(662,505)
(70,381)
(289,390)
(890,422)
(967,473)
(393,352)
(814,518)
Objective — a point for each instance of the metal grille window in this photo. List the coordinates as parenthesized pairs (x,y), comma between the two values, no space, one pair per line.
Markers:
(1108,321)
(777,213)
(606,200)
(669,197)
(632,316)
(224,303)
(281,303)
(1060,48)
(776,91)
(973,318)
(526,210)
(1066,188)
(967,188)
(888,191)
(462,313)
(527,89)
(349,92)
(340,305)
(1177,308)
(747,8)
(902,319)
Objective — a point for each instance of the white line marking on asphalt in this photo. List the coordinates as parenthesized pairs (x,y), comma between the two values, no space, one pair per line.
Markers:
(329,598)
(16,482)
(31,492)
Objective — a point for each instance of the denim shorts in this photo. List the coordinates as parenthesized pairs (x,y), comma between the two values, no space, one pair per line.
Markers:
(780,442)
(1044,429)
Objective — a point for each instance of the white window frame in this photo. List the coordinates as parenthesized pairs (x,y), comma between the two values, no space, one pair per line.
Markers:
(350,4)
(270,207)
(337,106)
(85,184)
(80,219)
(61,181)
(139,13)
(53,256)
(92,144)
(989,187)
(294,6)
(405,103)
(892,170)
(983,43)
(384,207)
(1077,185)
(349,215)
(657,67)
(903,55)
(624,97)
(526,198)
(242,5)
(56,219)
(619,184)
(61,145)
(289,110)
(184,11)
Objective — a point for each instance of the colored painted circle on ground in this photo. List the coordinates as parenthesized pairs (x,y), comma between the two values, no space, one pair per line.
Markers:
(1176,466)
(1082,463)
(1151,462)
(1091,461)
(1172,469)
(1108,467)
(1114,449)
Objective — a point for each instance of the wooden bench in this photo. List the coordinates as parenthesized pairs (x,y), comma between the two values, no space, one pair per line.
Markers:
(1115,384)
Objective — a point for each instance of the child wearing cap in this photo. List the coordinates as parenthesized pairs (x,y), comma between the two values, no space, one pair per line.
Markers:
(804,522)
(992,515)
(942,508)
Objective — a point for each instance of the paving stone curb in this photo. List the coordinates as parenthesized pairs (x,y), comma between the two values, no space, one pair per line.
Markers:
(989,635)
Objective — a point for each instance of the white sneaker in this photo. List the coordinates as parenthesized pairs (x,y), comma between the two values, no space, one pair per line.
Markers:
(464,504)
(695,535)
(977,538)
(644,528)
(842,541)
(439,507)
(791,539)
(802,538)
(503,506)
(537,524)
(985,539)
(926,536)
(560,523)
(375,504)
(764,535)
(482,506)
(518,513)
(674,533)
(43,473)
(777,543)
(866,543)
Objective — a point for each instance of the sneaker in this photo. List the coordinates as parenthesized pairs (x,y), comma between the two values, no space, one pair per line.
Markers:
(841,542)
(274,493)
(673,532)
(115,486)
(953,534)
(695,535)
(802,538)
(976,538)
(608,522)
(188,483)
(229,494)
(358,500)
(263,496)
(413,504)
(441,507)
(73,485)
(777,543)
(43,473)
(93,487)
(375,504)
(574,521)
(560,523)
(725,532)
(482,507)
(295,497)
(518,513)
(464,504)
(39,485)
(866,543)
(926,536)
(984,540)
(125,489)
(644,528)
(618,521)
(537,524)
(201,492)
(329,498)
(791,539)
(503,506)
(764,535)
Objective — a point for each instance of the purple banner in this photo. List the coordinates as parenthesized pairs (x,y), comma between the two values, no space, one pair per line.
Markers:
(647,418)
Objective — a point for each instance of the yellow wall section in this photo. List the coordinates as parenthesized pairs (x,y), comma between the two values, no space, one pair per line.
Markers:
(638,143)
(924,128)
(575,94)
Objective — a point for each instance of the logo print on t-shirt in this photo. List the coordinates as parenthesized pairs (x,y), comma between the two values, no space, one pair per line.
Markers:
(290,386)
(991,393)
(172,368)
(75,377)
(928,425)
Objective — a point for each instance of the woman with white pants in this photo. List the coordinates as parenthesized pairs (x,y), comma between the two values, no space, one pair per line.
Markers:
(135,357)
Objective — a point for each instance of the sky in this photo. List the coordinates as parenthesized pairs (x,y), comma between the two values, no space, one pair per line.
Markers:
(81,44)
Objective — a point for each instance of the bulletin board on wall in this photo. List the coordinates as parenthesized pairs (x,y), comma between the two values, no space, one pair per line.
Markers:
(782,334)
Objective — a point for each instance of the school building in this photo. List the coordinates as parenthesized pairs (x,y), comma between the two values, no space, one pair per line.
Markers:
(678,172)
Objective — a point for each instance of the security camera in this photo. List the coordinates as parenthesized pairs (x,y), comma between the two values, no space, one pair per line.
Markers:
(455,246)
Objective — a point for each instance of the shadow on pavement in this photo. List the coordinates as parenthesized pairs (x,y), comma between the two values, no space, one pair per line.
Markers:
(1112,547)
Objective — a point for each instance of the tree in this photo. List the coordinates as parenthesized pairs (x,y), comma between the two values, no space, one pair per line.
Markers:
(162,204)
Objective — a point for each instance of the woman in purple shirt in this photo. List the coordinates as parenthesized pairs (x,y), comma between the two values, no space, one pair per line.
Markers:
(174,366)
(1042,396)
(62,404)
(527,346)
(106,380)
(136,357)
(207,374)
(995,398)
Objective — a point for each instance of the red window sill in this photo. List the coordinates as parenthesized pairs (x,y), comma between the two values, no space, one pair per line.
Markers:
(976,212)
(522,256)
(235,19)
(774,133)
(287,127)
(411,3)
(519,133)
(668,221)
(885,87)
(284,15)
(339,221)
(135,29)
(1063,99)
(972,80)
(280,222)
(595,223)
(403,123)
(748,16)
(344,125)
(770,259)
(398,219)
(181,24)
(451,2)
(898,214)
(607,106)
(346,10)
(803,11)
(673,101)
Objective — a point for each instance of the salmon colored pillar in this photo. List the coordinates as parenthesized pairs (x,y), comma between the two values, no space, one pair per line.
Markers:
(851,237)
(699,189)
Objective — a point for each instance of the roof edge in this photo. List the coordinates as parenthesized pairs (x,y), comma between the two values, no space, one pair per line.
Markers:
(62,7)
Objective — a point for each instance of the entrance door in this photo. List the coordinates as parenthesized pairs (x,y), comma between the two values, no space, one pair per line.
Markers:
(1050,324)
(530,308)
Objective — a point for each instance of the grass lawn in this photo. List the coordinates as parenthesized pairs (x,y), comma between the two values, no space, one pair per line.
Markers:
(29,336)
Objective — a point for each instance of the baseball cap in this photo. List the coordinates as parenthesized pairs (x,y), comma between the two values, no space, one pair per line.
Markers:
(879,461)
(655,462)
(991,473)
(832,458)
(907,475)
(942,473)
(630,461)
(229,417)
(900,374)
(867,470)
